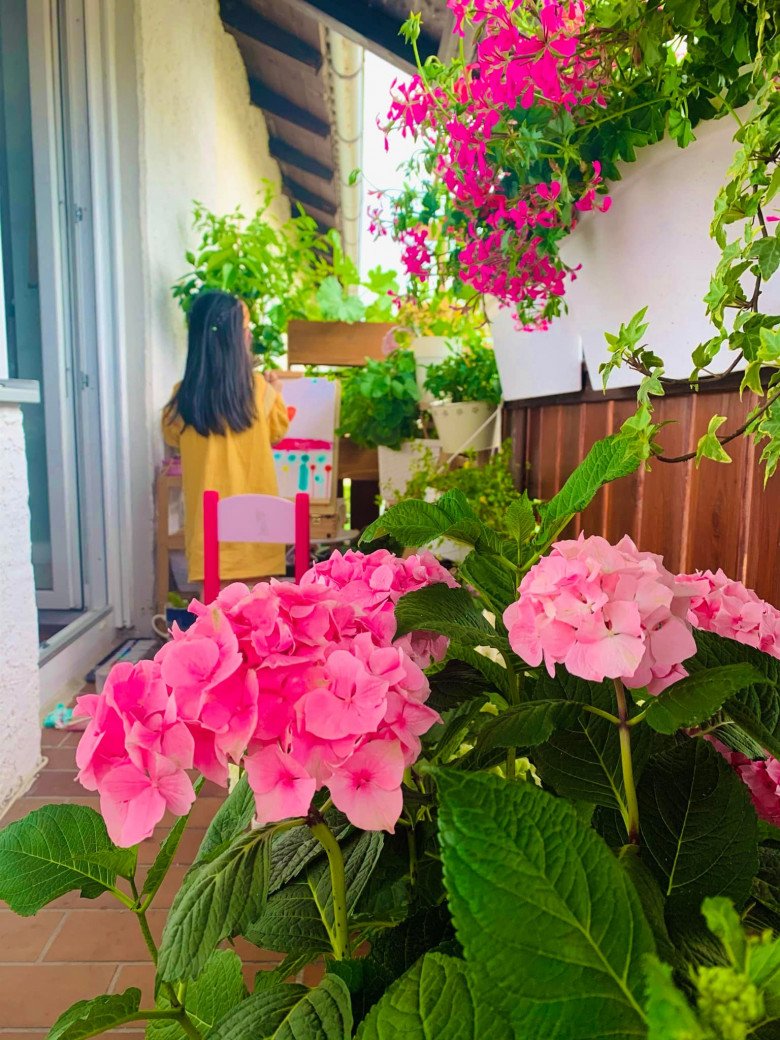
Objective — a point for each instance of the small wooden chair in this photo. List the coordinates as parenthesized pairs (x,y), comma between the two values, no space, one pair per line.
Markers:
(252,518)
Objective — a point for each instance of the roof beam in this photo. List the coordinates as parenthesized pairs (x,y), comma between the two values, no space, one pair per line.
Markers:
(370,27)
(244,19)
(285,153)
(306,197)
(282,107)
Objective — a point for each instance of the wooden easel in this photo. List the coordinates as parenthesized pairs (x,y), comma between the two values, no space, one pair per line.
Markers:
(167,541)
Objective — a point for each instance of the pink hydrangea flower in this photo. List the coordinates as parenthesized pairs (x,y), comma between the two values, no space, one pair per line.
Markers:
(604,612)
(762,778)
(300,684)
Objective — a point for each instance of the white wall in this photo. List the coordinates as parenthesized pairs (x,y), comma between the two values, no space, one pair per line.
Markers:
(193,136)
(200,139)
(19,729)
(653,249)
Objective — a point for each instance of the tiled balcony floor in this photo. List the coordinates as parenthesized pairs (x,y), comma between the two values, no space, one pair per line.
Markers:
(77,948)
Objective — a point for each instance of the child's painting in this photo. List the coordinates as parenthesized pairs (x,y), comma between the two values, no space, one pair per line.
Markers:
(305,458)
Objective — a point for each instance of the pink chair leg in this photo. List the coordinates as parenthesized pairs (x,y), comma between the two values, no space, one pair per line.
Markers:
(302,536)
(210,546)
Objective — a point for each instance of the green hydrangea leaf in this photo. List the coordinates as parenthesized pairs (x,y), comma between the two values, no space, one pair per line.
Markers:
(435,998)
(699,827)
(528,724)
(697,697)
(53,850)
(290,1013)
(90,1017)
(218,989)
(548,955)
(452,612)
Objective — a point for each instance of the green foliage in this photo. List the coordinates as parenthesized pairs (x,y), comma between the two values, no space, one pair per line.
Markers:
(91,1017)
(433,999)
(290,1013)
(568,862)
(281,269)
(213,995)
(575,967)
(220,897)
(467,375)
(489,487)
(54,850)
(379,401)
(698,825)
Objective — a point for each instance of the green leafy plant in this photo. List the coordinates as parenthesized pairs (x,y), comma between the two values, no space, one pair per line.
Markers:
(282,270)
(466,375)
(488,486)
(380,401)
(571,859)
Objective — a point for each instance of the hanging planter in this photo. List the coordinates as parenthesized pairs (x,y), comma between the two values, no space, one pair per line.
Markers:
(396,466)
(466,426)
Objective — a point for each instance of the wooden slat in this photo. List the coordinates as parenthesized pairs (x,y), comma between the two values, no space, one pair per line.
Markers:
(334,342)
(594,427)
(716,500)
(242,18)
(762,562)
(357,463)
(569,455)
(624,496)
(663,525)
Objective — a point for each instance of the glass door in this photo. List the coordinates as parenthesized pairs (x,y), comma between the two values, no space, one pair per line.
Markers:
(46,273)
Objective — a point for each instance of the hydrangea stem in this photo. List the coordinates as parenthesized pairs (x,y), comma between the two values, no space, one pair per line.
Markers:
(624,730)
(338,930)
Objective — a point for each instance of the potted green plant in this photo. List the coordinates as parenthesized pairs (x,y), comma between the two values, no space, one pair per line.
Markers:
(380,409)
(282,270)
(466,392)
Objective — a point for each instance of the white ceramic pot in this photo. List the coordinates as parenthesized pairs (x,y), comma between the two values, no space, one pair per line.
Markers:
(429,350)
(397,467)
(464,426)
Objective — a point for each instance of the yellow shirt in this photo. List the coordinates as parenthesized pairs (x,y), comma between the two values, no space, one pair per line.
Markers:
(232,464)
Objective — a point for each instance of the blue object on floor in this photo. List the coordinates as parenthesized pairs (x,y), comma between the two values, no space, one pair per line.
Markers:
(60,718)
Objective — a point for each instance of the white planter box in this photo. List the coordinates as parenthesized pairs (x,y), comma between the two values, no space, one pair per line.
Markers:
(653,248)
(535,364)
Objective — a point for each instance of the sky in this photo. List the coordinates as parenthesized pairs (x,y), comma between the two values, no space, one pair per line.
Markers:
(379,166)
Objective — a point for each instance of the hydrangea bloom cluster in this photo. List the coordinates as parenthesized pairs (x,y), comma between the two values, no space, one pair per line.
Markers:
(731,610)
(301,684)
(604,611)
(504,226)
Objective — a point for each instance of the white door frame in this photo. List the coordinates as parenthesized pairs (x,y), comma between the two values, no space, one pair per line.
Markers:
(58,382)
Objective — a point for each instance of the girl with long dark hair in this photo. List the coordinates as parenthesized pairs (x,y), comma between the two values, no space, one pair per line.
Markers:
(222,419)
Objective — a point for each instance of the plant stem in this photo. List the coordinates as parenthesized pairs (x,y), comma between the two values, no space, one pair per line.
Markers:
(339,933)
(188,1027)
(511,758)
(602,714)
(140,913)
(632,805)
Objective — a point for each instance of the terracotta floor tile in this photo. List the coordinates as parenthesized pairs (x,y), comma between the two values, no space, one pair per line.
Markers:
(170,886)
(28,1034)
(24,938)
(72,738)
(51,738)
(185,853)
(252,955)
(313,974)
(113,936)
(204,810)
(74,901)
(56,784)
(34,995)
(140,975)
(61,758)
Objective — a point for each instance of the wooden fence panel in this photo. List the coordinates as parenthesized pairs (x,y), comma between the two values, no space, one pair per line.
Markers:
(714,516)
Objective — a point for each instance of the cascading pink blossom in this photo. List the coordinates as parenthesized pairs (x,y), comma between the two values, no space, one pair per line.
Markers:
(729,609)
(301,684)
(604,611)
(505,232)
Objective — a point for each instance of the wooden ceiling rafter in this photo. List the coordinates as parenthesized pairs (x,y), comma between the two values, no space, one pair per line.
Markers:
(283,46)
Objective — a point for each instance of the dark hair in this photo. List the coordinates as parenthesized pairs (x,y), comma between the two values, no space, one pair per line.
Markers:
(218,384)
